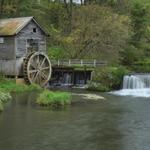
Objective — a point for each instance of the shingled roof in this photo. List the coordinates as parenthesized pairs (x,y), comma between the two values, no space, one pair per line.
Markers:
(12,26)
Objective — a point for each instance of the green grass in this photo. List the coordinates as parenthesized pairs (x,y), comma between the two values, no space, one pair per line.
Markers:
(11,86)
(4,97)
(46,98)
(54,99)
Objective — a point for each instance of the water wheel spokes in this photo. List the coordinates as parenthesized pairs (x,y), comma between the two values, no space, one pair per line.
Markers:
(38,69)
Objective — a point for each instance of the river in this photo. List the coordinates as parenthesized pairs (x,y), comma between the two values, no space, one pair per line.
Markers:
(113,123)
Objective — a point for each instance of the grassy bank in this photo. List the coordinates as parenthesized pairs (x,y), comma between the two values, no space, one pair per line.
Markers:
(11,86)
(8,86)
(54,99)
(46,98)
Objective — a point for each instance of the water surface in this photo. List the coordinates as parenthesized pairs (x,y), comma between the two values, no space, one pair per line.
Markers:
(116,123)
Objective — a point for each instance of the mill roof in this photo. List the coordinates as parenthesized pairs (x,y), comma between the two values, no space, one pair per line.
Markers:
(12,26)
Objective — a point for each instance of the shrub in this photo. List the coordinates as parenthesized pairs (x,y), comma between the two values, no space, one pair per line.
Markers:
(4,97)
(129,55)
(33,87)
(54,99)
(142,66)
(95,86)
(56,52)
(110,77)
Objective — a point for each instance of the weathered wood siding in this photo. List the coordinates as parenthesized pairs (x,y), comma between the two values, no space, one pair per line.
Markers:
(8,67)
(19,66)
(7,49)
(20,47)
(27,33)
(12,67)
(14,48)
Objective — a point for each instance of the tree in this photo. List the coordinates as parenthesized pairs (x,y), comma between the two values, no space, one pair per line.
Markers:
(97,33)
(140,20)
(1,6)
(138,47)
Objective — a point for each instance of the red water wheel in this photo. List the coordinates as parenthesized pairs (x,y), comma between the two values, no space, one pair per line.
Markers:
(37,68)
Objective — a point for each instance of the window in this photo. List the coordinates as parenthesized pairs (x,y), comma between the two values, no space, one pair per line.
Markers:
(34,30)
(1,40)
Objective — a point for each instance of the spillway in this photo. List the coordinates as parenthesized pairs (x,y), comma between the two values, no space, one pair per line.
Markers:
(135,85)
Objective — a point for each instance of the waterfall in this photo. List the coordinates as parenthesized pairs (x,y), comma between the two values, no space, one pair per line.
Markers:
(136,81)
(67,79)
(135,85)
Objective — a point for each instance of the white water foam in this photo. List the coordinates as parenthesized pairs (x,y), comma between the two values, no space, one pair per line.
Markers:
(135,85)
(131,92)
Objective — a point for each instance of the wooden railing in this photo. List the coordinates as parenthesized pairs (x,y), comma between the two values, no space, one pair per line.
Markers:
(80,63)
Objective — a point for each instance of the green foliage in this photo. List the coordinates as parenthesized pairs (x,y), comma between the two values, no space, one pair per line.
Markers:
(140,20)
(2,77)
(4,97)
(110,77)
(56,52)
(120,6)
(33,87)
(7,86)
(95,86)
(138,47)
(130,55)
(54,99)
(142,66)
(11,86)
(111,28)
(57,14)
(99,34)
(143,62)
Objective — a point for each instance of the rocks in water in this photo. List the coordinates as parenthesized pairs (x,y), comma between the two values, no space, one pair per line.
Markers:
(91,96)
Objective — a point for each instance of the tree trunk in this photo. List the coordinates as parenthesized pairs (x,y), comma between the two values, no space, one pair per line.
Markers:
(68,6)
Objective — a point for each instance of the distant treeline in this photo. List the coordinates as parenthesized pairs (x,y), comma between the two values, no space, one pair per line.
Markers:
(114,30)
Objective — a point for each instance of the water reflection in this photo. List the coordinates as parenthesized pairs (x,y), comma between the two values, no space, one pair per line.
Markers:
(117,123)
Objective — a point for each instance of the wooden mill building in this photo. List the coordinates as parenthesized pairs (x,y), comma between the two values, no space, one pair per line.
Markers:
(23,54)
(19,37)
